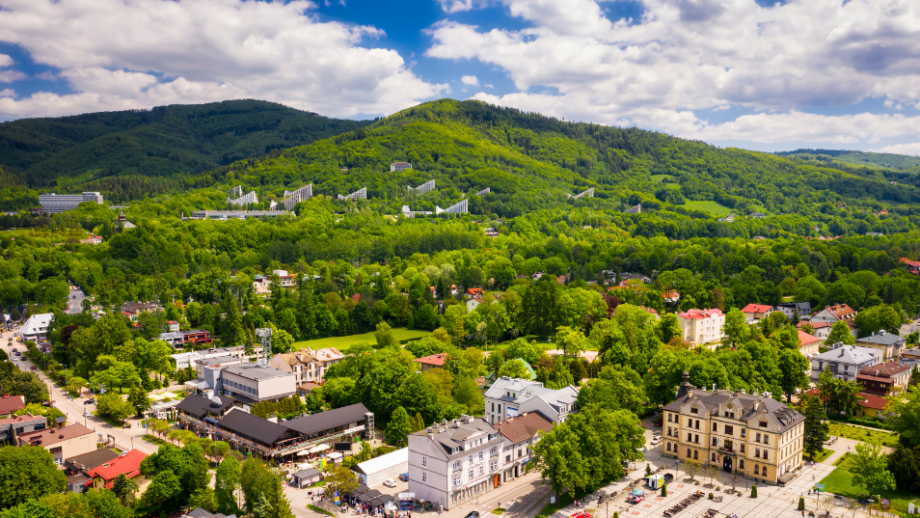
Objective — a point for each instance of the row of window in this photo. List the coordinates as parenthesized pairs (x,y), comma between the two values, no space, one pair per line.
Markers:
(765,454)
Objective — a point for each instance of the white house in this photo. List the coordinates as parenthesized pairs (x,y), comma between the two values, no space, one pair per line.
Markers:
(35,329)
(511,397)
(702,326)
(455,462)
(845,361)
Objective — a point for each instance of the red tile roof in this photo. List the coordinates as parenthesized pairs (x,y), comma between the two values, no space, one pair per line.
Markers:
(474,291)
(10,404)
(128,463)
(841,311)
(435,359)
(805,338)
(872,401)
(912,264)
(524,427)
(882,369)
(700,313)
(815,325)
(757,308)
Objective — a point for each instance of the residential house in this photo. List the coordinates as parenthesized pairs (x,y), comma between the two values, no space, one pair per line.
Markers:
(254,383)
(62,443)
(754,313)
(795,309)
(884,378)
(432,362)
(912,266)
(910,357)
(473,302)
(870,405)
(35,328)
(288,280)
(127,464)
(671,296)
(11,404)
(261,284)
(750,433)
(702,326)
(474,292)
(453,463)
(520,434)
(890,344)
(76,468)
(758,215)
(326,358)
(172,326)
(808,345)
(835,313)
(12,427)
(133,310)
(301,364)
(510,397)
(844,361)
(92,240)
(822,329)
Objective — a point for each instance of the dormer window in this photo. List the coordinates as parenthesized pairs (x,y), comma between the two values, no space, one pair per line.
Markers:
(763,424)
(694,410)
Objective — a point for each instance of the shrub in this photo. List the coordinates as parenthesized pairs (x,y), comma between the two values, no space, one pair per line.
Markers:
(753,490)
(801,504)
(710,496)
(664,490)
(319,510)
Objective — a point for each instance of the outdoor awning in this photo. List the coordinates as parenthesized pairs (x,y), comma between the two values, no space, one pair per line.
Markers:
(336,456)
(355,429)
(637,492)
(318,448)
(198,384)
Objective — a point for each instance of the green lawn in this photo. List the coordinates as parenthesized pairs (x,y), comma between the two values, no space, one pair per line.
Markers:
(708,206)
(659,178)
(109,420)
(840,482)
(825,453)
(862,434)
(341,342)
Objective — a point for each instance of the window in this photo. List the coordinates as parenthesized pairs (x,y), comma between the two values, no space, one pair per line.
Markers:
(741,464)
(456,481)
(424,461)
(471,458)
(729,430)
(715,427)
(689,453)
(481,470)
(742,447)
(493,406)
(757,453)
(715,442)
(456,465)
(493,452)
(697,424)
(756,469)
(766,456)
(713,457)
(424,477)
(669,418)
(493,466)
(507,458)
(668,446)
(689,437)
(763,424)
(766,439)
(697,439)
(481,455)
(694,411)
(696,455)
(757,439)
(471,475)
(669,430)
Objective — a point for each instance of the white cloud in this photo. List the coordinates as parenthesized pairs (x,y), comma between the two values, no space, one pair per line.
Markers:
(686,55)
(470,80)
(119,54)
(8,76)
(912,148)
(456,6)
(5,60)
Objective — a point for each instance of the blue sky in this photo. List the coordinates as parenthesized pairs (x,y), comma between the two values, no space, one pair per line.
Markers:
(755,74)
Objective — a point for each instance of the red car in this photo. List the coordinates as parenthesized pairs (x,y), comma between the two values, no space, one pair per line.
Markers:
(658,422)
(581,515)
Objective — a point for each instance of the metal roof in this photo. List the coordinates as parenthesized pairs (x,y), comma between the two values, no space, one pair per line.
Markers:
(242,423)
(315,423)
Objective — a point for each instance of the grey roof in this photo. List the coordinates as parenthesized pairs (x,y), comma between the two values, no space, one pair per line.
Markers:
(882,338)
(315,423)
(911,352)
(452,435)
(242,423)
(307,473)
(802,308)
(199,406)
(849,354)
(255,371)
(751,405)
(93,459)
(202,513)
(525,389)
(217,360)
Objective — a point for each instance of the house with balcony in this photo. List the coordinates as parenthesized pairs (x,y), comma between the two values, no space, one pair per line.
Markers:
(187,339)
(749,433)
(890,344)
(844,361)
(303,365)
(884,378)
(511,397)
(12,427)
(35,328)
(520,434)
(702,326)
(453,463)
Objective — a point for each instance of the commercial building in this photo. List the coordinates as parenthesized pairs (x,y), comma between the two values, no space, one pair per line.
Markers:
(55,203)
(455,462)
(375,471)
(127,464)
(186,339)
(35,328)
(511,397)
(884,378)
(62,443)
(750,433)
(702,326)
(520,434)
(891,345)
(844,361)
(189,359)
(254,383)
(202,412)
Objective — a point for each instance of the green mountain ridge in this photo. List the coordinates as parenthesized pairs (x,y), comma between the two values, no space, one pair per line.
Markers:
(121,153)
(856,158)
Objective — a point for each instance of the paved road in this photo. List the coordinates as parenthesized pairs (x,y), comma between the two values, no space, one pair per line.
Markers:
(75,298)
(125,439)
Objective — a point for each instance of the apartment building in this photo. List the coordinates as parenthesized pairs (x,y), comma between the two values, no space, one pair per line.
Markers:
(511,397)
(844,361)
(752,434)
(702,326)
(520,434)
(891,345)
(253,383)
(884,378)
(455,462)
(53,203)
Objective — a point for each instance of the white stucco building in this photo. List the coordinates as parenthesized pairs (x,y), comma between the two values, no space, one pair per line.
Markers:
(510,397)
(702,326)
(35,329)
(845,361)
(454,462)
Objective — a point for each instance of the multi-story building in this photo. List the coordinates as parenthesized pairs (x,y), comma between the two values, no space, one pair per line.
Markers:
(702,326)
(35,328)
(12,427)
(884,378)
(753,434)
(793,309)
(808,345)
(511,397)
(191,338)
(55,203)
(326,358)
(202,412)
(891,345)
(254,383)
(62,443)
(452,463)
(133,310)
(400,166)
(127,464)
(844,361)
(520,434)
(190,359)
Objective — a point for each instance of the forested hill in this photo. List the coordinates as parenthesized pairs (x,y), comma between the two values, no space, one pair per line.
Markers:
(856,158)
(530,161)
(111,151)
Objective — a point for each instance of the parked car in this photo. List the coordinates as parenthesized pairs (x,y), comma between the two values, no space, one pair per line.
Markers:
(404,477)
(581,515)
(389,482)
(656,440)
(474,514)
(90,401)
(658,422)
(32,368)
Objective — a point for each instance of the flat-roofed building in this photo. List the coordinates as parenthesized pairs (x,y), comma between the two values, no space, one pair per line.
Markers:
(254,383)
(53,203)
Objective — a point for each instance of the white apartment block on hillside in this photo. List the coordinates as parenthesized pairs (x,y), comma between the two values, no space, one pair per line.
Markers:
(702,326)
(511,397)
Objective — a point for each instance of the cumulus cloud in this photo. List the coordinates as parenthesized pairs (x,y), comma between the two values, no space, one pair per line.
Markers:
(912,148)
(119,54)
(688,55)
(470,80)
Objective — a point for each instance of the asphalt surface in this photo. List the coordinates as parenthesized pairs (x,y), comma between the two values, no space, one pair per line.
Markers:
(75,298)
